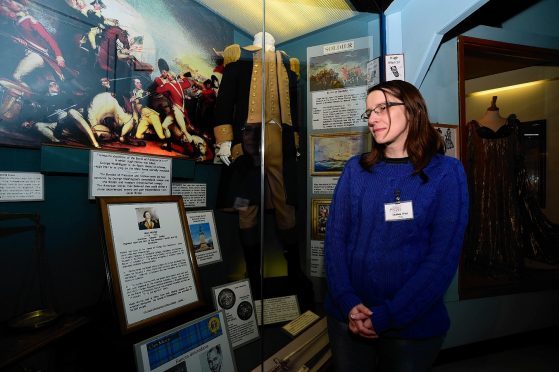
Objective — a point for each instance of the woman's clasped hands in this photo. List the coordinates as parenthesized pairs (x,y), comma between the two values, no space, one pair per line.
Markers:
(360,322)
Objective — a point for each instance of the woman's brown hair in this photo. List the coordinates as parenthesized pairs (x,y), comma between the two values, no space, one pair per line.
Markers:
(422,142)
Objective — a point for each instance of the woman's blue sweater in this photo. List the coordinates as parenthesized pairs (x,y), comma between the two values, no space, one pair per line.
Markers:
(400,270)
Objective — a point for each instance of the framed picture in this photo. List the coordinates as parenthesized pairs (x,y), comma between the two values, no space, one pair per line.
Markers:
(150,259)
(200,345)
(235,299)
(330,152)
(203,234)
(373,72)
(320,209)
(450,135)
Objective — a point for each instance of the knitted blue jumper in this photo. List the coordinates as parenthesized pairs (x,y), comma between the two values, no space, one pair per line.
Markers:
(400,270)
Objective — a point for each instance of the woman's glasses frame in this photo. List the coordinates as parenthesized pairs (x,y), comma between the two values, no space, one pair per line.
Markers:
(379,109)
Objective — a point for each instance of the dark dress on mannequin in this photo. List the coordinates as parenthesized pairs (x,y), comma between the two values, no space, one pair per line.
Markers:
(506,223)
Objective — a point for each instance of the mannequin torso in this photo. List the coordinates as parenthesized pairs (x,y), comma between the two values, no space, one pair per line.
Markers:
(492,120)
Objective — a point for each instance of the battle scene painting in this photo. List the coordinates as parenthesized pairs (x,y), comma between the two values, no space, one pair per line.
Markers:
(339,70)
(122,75)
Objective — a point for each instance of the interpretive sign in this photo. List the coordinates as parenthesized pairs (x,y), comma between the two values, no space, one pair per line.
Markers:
(21,186)
(198,346)
(193,194)
(277,309)
(204,237)
(116,174)
(151,259)
(337,83)
(236,300)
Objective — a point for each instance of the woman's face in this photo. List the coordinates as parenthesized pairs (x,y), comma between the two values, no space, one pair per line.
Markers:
(388,125)
(147,216)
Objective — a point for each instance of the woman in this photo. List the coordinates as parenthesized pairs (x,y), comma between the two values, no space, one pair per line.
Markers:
(148,223)
(393,239)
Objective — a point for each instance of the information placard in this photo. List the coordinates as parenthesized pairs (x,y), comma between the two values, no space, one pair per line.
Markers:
(317,259)
(21,186)
(337,83)
(201,345)
(236,300)
(299,324)
(324,185)
(194,195)
(394,67)
(152,263)
(116,174)
(203,233)
(277,309)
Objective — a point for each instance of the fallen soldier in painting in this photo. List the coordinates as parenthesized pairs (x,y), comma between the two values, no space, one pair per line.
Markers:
(56,116)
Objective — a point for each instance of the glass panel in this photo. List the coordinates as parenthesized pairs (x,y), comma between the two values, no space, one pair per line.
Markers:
(258,103)
(509,121)
(313,94)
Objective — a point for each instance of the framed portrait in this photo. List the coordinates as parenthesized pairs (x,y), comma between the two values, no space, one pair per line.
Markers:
(235,299)
(330,152)
(151,265)
(450,135)
(203,234)
(200,345)
(320,209)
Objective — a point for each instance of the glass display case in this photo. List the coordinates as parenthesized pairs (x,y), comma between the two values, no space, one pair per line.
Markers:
(246,111)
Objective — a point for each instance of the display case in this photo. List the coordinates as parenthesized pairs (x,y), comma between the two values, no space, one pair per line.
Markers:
(244,111)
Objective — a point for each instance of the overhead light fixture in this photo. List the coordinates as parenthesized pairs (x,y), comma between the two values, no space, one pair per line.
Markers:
(285,19)
(516,86)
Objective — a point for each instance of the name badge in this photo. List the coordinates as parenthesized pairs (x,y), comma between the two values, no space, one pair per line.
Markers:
(398,211)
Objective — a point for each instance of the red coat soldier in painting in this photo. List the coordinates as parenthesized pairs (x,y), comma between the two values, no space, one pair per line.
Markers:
(77,43)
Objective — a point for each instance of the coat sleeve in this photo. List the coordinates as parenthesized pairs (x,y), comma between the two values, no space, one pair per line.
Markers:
(432,278)
(224,109)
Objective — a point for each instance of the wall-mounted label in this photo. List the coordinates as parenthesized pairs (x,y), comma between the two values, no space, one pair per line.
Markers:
(338,47)
(21,186)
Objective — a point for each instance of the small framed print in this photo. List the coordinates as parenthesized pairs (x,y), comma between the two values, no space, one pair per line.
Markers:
(320,209)
(151,262)
(203,234)
(330,152)
(373,72)
(450,135)
(200,345)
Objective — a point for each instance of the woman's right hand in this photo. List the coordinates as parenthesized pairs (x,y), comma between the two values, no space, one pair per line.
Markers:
(360,322)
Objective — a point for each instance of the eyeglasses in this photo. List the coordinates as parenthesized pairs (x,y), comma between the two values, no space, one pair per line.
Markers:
(379,109)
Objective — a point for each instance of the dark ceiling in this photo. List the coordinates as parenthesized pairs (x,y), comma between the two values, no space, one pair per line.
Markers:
(371,6)
(494,13)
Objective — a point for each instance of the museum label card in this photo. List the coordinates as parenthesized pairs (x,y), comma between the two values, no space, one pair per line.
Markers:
(155,272)
(324,185)
(299,324)
(203,234)
(394,67)
(115,174)
(200,345)
(373,72)
(193,194)
(317,259)
(277,309)
(21,186)
(235,299)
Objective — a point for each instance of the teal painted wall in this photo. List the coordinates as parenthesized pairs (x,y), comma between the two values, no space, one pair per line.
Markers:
(72,271)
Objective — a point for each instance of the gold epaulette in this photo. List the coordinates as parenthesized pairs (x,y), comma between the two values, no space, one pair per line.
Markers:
(231,53)
(295,66)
